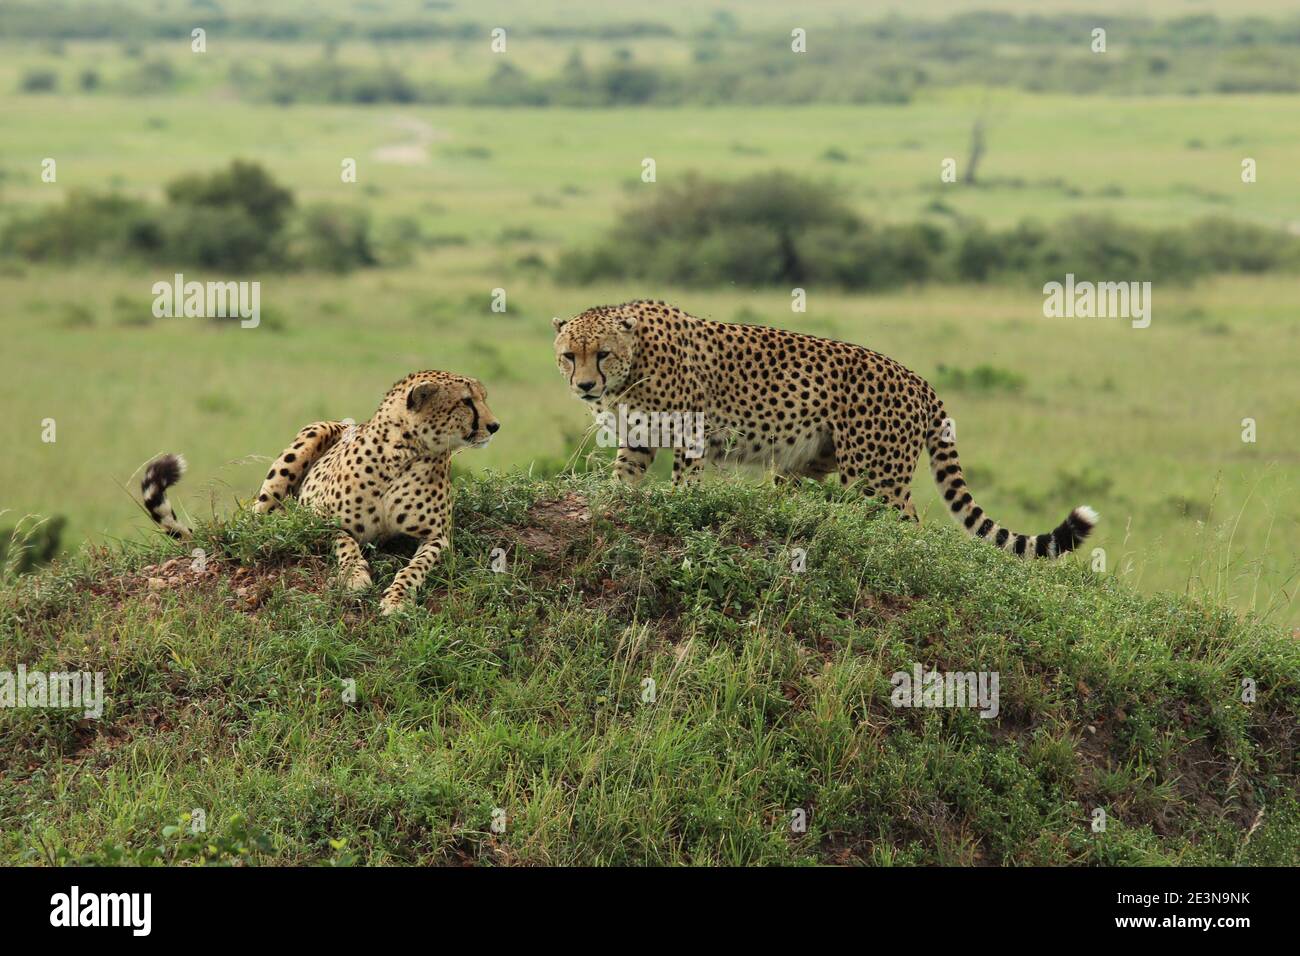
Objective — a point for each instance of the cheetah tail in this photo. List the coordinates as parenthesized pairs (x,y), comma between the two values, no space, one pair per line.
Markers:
(941,443)
(160,474)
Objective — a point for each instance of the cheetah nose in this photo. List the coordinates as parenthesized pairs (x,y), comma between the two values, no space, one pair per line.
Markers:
(492,427)
(586,386)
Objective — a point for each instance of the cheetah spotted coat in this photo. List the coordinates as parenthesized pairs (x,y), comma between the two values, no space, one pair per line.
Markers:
(386,477)
(796,404)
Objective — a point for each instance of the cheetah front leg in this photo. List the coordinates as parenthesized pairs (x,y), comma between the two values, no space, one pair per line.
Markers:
(409,579)
(631,464)
(417,505)
(354,572)
(687,468)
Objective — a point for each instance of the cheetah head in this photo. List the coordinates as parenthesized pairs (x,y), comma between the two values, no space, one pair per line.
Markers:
(448,413)
(596,351)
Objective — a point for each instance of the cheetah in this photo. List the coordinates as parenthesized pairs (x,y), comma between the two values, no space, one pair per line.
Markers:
(798,405)
(384,478)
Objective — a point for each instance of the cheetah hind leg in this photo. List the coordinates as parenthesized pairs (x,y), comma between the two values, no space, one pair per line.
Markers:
(286,475)
(895,489)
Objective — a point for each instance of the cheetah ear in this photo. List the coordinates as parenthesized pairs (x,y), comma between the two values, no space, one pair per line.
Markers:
(419,395)
(627,323)
(558,323)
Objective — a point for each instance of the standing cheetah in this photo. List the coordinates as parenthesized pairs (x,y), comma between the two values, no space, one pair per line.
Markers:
(386,477)
(799,405)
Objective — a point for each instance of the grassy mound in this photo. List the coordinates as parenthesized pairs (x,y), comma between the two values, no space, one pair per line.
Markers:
(511,718)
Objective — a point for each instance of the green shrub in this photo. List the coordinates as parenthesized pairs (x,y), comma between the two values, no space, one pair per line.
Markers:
(330,81)
(1228,246)
(333,238)
(241,185)
(85,224)
(623,84)
(1090,245)
(216,237)
(150,79)
(778,229)
(234,219)
(703,232)
(982,378)
(39,80)
(980,255)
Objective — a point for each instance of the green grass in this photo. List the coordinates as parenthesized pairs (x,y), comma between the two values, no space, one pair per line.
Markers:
(562,173)
(523,691)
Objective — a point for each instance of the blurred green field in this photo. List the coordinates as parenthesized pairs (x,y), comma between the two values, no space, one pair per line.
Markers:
(685,14)
(1145,425)
(564,173)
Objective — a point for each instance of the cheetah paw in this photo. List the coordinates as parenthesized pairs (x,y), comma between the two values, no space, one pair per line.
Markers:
(355,582)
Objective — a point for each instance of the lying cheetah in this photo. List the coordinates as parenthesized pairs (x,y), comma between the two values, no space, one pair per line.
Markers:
(799,405)
(381,479)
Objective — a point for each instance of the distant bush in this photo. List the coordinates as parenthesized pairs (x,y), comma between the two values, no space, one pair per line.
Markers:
(236,218)
(1230,246)
(779,229)
(39,80)
(875,256)
(1103,246)
(245,186)
(397,239)
(986,379)
(773,228)
(150,79)
(703,232)
(85,224)
(333,82)
(333,239)
(229,219)
(628,84)
(507,86)
(218,237)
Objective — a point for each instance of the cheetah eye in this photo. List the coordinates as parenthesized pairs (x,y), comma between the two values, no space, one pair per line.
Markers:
(468,401)
(601,355)
(568,355)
